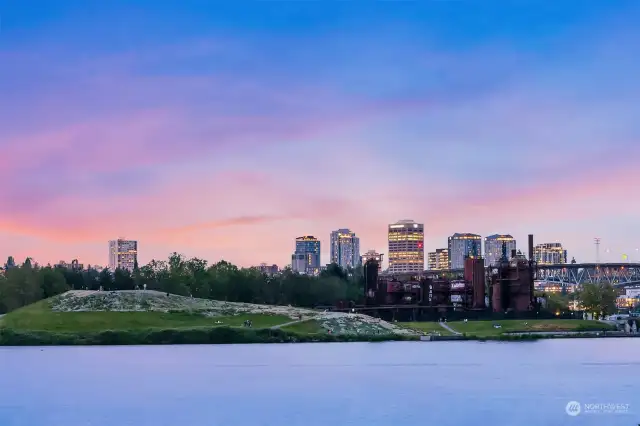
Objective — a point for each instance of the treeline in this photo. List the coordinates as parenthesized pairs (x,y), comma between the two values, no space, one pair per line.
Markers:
(27,283)
(598,299)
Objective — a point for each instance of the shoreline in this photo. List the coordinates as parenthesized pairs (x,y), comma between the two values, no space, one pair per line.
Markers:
(236,335)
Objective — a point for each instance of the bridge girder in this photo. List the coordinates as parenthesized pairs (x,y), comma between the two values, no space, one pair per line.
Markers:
(614,274)
(617,274)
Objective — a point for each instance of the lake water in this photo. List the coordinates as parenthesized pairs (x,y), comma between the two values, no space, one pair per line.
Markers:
(399,383)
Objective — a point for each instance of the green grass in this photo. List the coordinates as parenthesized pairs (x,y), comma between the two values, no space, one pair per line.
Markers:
(485,328)
(193,336)
(39,317)
(425,327)
(305,327)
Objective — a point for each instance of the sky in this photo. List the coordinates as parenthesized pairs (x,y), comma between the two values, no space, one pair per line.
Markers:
(224,130)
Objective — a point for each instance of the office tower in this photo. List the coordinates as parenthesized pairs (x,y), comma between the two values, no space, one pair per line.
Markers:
(438,260)
(462,246)
(306,258)
(493,248)
(550,254)
(123,254)
(345,248)
(406,247)
(372,254)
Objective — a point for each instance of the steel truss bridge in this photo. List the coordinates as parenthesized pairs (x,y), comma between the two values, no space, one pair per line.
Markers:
(616,274)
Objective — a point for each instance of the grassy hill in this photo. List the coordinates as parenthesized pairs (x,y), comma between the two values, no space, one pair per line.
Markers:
(140,317)
(40,317)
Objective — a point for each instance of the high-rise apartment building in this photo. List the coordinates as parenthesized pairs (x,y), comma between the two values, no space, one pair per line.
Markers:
(493,248)
(406,247)
(306,258)
(123,254)
(345,248)
(462,246)
(372,254)
(550,254)
(438,260)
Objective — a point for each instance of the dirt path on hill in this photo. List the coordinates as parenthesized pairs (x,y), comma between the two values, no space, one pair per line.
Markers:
(446,327)
(275,327)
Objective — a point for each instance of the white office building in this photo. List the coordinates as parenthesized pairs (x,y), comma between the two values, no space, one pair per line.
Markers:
(123,254)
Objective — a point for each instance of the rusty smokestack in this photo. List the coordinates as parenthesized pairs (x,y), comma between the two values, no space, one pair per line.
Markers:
(531,272)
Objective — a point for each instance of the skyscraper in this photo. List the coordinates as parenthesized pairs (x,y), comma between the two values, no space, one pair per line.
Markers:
(406,247)
(550,254)
(306,258)
(462,246)
(345,248)
(493,248)
(123,254)
(438,260)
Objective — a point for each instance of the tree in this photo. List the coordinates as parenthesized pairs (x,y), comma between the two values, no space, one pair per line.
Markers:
(334,270)
(608,298)
(105,280)
(557,302)
(91,279)
(53,282)
(599,299)
(122,280)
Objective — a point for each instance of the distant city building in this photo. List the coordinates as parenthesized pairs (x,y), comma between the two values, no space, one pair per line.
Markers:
(345,248)
(493,248)
(550,254)
(11,263)
(268,269)
(438,260)
(406,247)
(123,254)
(306,258)
(372,254)
(74,265)
(462,246)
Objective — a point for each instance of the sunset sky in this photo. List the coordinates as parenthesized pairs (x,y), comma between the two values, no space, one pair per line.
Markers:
(224,130)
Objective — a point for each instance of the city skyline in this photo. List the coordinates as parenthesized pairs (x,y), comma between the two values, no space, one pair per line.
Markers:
(226,138)
(315,259)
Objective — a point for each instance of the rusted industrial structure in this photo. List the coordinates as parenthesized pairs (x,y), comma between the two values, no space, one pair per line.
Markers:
(511,282)
(507,286)
(474,274)
(417,296)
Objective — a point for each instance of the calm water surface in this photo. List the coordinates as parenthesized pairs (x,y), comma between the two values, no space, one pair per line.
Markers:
(406,383)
